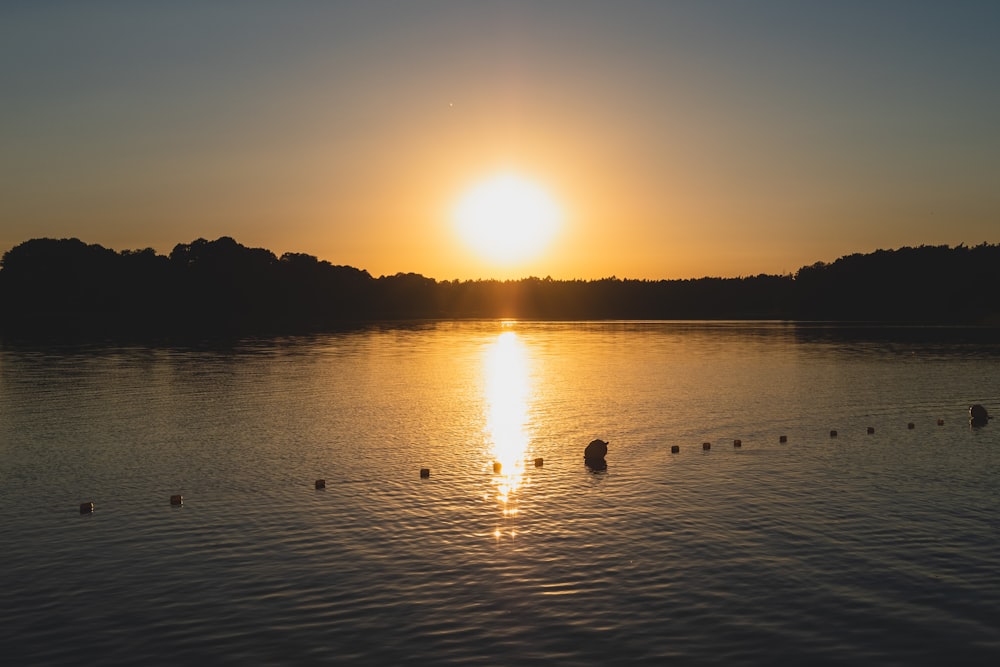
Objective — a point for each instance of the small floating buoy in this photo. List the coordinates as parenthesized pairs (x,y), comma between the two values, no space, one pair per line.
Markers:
(86,508)
(833,434)
(737,443)
(783,438)
(978,415)
(871,429)
(940,422)
(497,467)
(320,483)
(539,462)
(425,472)
(594,453)
(675,449)
(706,445)
(911,426)
(179,499)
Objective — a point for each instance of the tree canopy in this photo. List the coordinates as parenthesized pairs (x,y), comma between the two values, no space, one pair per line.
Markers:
(67,286)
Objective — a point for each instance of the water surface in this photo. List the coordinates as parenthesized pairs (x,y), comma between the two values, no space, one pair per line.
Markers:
(865,548)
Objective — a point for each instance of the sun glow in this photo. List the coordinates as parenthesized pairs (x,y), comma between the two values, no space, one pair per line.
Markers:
(507,219)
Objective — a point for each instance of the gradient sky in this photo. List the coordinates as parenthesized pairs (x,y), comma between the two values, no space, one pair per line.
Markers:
(681,139)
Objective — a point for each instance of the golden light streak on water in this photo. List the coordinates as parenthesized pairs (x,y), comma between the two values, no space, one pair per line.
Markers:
(508,395)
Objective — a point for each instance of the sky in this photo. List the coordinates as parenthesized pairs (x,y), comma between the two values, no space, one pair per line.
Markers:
(679,139)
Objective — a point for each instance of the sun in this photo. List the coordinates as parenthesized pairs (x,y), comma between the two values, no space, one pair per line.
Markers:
(507,219)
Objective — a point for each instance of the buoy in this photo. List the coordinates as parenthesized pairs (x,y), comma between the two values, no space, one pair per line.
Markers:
(737,443)
(833,434)
(86,508)
(911,426)
(320,483)
(871,429)
(978,415)
(539,462)
(179,500)
(425,472)
(675,449)
(940,422)
(497,467)
(783,438)
(594,455)
(706,445)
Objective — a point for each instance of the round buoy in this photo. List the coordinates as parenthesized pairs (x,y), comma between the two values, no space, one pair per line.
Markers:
(320,483)
(674,449)
(940,422)
(539,462)
(497,467)
(783,438)
(833,434)
(594,453)
(179,499)
(86,508)
(706,445)
(737,443)
(871,429)
(425,472)
(978,415)
(911,426)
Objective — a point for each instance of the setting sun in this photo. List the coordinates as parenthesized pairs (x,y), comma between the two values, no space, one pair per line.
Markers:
(507,219)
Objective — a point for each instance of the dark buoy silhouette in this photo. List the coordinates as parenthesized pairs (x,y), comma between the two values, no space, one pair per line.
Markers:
(425,472)
(783,438)
(706,446)
(871,429)
(179,499)
(940,422)
(911,426)
(978,415)
(737,443)
(320,484)
(674,449)
(594,455)
(86,508)
(833,434)
(539,462)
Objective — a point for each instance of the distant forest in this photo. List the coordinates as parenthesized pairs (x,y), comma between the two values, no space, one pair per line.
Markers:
(67,287)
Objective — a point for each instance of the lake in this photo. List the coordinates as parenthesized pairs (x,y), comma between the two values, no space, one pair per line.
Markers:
(876,548)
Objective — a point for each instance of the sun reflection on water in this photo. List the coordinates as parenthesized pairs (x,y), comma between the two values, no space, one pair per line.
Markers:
(508,393)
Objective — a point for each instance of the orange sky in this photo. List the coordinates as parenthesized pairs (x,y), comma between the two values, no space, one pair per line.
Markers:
(680,139)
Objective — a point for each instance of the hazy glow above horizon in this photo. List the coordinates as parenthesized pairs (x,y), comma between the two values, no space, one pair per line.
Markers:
(679,140)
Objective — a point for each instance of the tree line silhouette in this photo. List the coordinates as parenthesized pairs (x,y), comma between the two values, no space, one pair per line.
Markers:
(65,286)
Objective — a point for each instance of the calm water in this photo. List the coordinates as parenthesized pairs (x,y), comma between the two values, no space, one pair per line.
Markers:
(861,549)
